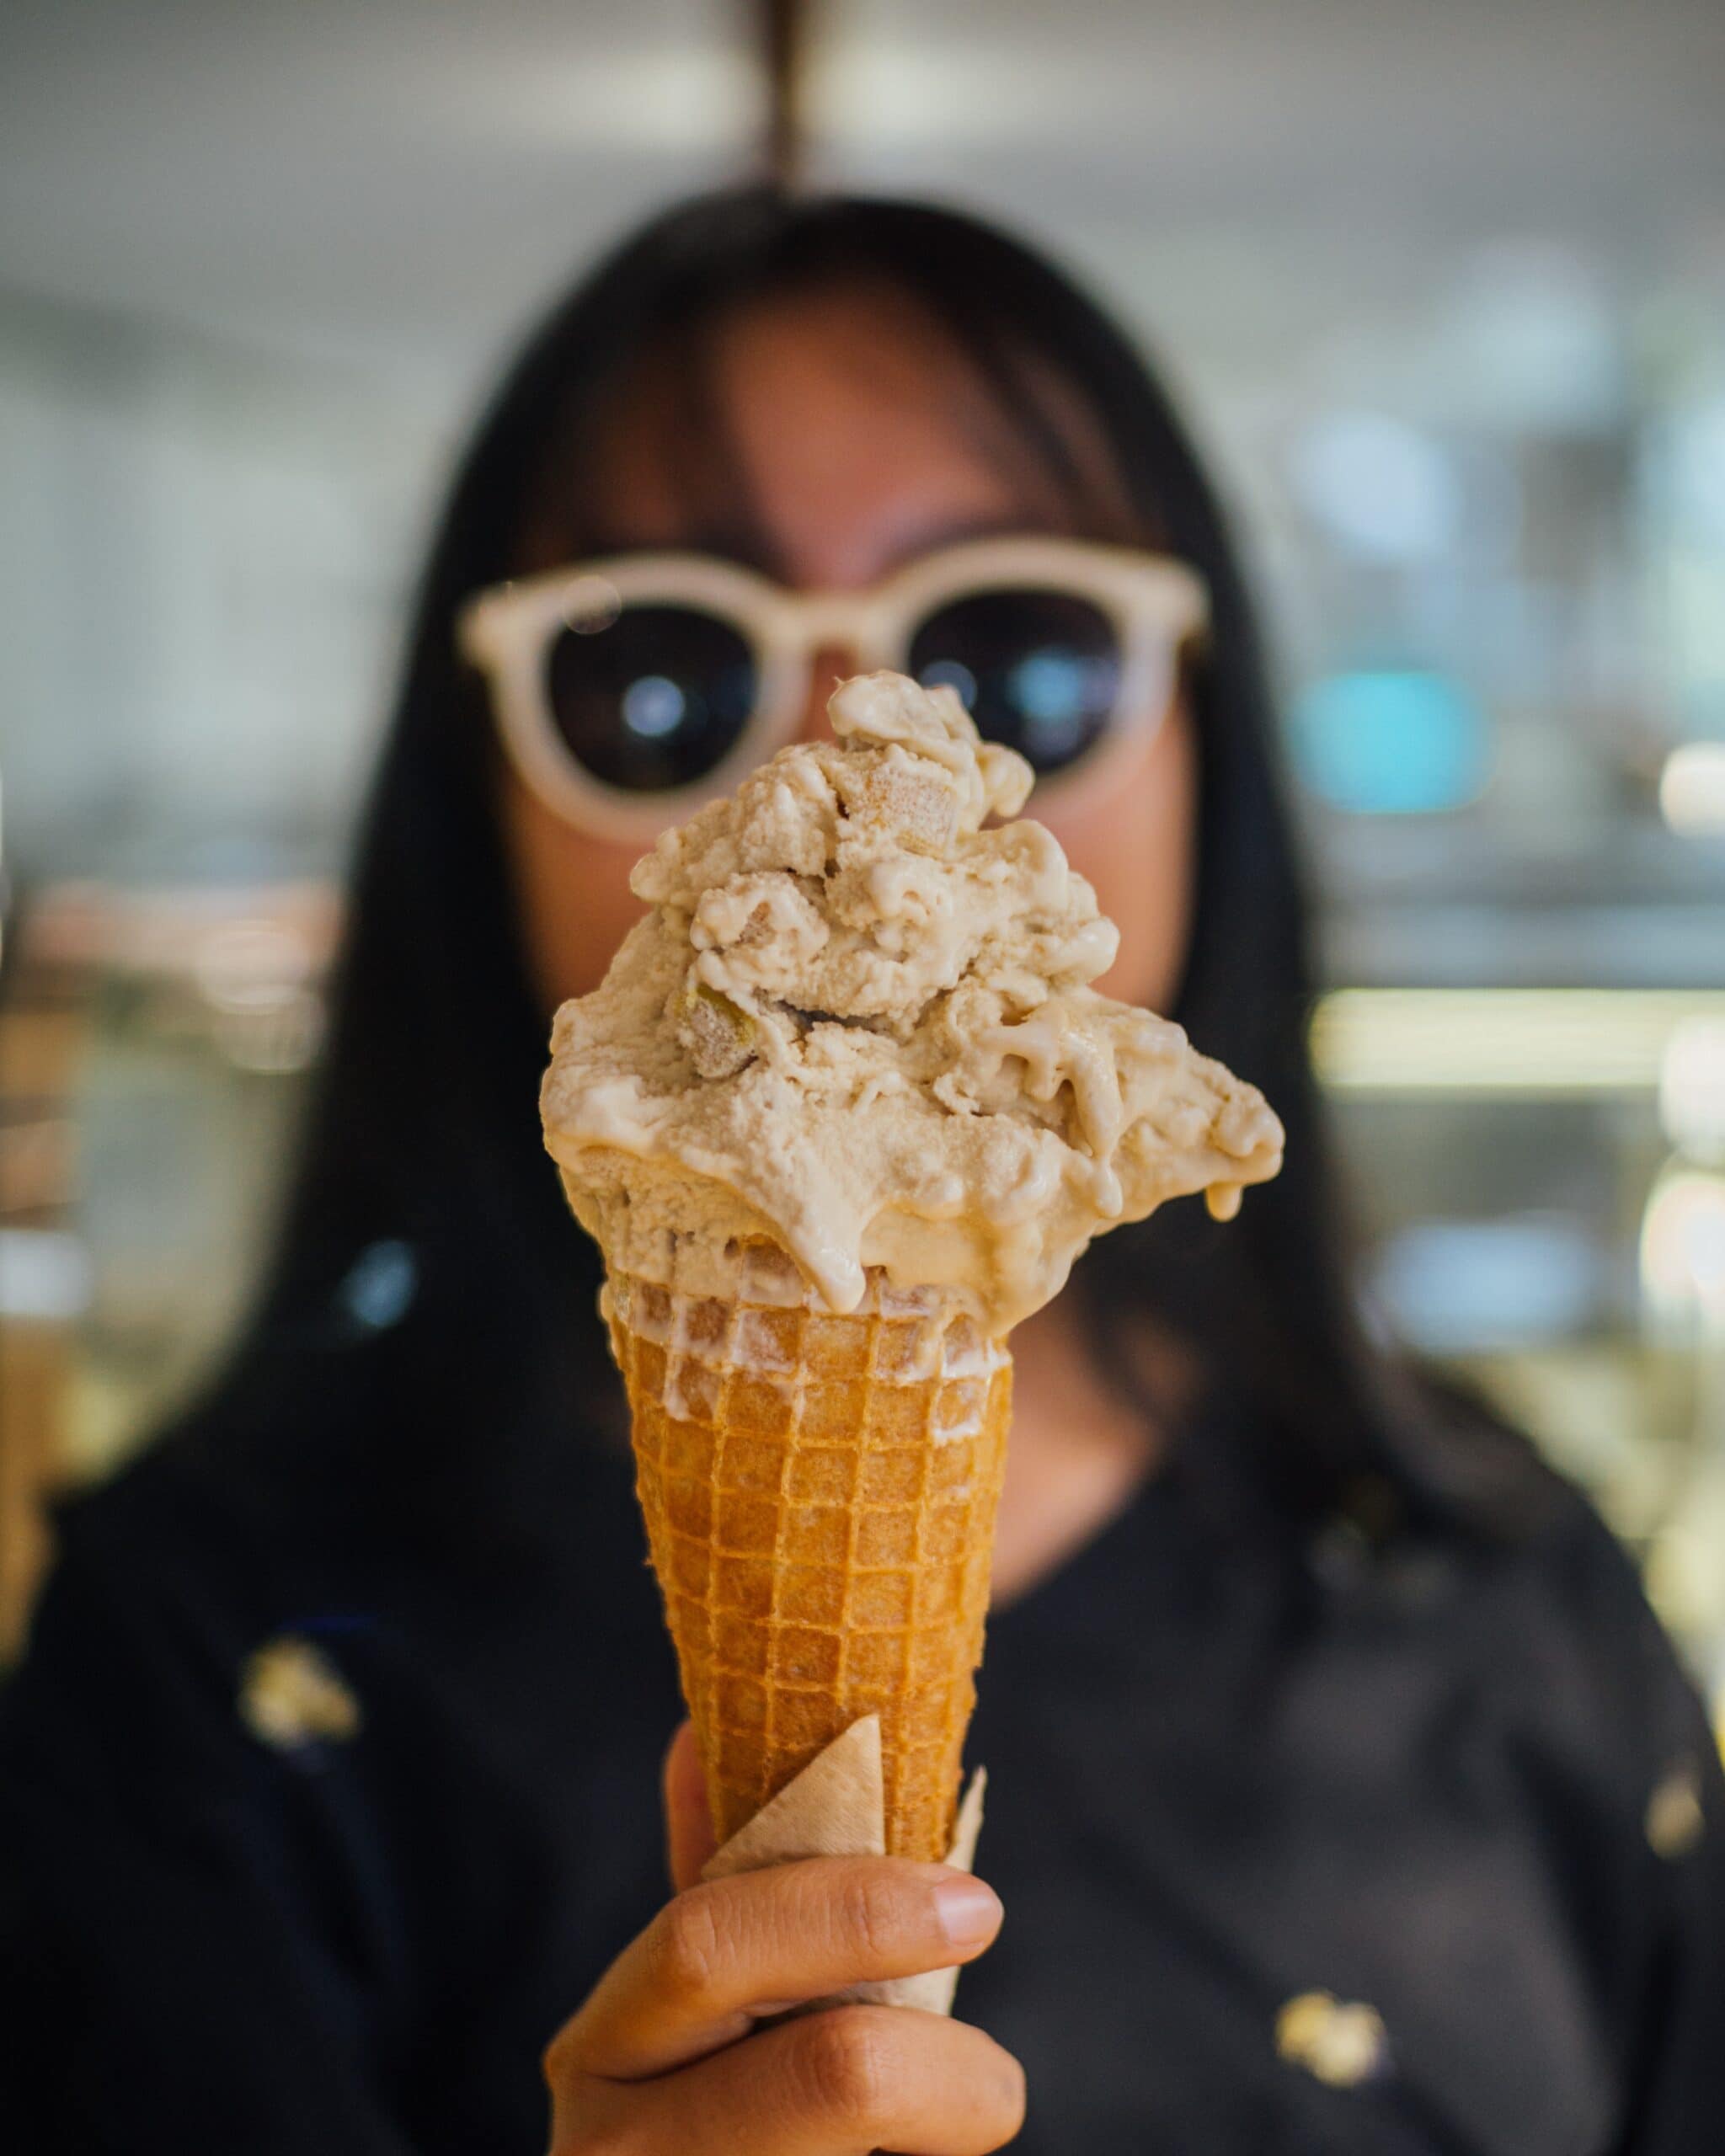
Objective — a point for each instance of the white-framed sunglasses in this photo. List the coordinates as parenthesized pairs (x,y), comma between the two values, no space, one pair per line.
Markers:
(630,690)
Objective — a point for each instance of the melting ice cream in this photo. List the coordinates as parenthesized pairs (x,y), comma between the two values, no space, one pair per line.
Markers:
(858,1023)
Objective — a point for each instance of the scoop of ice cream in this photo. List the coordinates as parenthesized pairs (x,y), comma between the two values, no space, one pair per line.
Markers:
(857,1023)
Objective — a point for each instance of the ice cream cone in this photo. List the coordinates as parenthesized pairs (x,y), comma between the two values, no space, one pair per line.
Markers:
(854,1048)
(819,1493)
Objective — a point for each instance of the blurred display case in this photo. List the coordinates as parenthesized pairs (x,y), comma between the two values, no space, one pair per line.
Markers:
(152,1044)
(1539,1183)
(1539,1175)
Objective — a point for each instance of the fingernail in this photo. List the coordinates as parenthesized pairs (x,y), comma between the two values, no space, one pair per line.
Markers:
(968,1911)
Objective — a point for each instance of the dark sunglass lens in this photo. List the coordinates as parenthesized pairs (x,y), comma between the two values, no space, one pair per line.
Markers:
(654,697)
(1038,671)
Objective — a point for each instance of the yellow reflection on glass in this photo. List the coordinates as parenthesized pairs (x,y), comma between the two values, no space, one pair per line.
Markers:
(1503,1040)
(1692,1089)
(1683,1245)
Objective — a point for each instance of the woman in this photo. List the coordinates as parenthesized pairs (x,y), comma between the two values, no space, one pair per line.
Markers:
(1344,1795)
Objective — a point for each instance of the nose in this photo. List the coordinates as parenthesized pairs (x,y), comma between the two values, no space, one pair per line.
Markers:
(828,665)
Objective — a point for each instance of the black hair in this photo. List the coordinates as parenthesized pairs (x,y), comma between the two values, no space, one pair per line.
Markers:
(426,1265)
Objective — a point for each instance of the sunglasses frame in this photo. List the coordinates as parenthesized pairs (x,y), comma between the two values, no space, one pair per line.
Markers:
(1155,604)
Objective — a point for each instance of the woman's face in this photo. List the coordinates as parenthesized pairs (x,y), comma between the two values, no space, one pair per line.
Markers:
(864,440)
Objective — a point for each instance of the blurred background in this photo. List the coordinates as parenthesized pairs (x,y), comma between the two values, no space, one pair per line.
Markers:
(1444,289)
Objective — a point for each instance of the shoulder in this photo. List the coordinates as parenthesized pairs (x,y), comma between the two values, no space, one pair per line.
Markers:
(233,1523)
(1595,1632)
(169,1585)
(1539,1575)
(1493,1585)
(168,1531)
(156,1587)
(1549,1628)
(1580,1594)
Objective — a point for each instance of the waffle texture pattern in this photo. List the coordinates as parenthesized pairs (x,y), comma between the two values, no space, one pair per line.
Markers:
(820,1493)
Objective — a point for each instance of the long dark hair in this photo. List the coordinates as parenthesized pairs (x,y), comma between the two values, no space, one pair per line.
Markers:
(426,1269)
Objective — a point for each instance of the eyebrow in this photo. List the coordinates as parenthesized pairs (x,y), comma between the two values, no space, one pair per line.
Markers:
(733,542)
(957,530)
(752,549)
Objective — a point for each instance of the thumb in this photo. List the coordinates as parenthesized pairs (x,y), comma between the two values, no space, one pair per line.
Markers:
(688,1824)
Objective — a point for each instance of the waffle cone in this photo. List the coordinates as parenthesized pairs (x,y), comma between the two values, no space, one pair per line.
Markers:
(820,1493)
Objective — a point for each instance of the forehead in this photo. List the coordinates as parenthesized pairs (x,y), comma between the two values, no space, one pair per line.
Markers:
(824,437)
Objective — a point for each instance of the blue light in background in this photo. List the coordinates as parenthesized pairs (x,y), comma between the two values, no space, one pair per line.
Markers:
(1470,1287)
(1384,490)
(381,1285)
(1391,742)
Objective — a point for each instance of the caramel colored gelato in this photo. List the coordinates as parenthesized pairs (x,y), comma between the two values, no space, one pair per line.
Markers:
(856,1023)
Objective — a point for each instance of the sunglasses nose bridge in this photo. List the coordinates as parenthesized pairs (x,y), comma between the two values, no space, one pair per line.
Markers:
(828,621)
(833,635)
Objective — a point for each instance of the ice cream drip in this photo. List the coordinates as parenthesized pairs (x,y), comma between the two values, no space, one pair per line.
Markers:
(858,1022)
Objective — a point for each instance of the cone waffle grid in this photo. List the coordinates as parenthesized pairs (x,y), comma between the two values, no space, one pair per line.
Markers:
(819,1494)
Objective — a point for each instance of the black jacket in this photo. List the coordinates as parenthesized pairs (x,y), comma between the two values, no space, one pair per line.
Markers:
(1304,1847)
